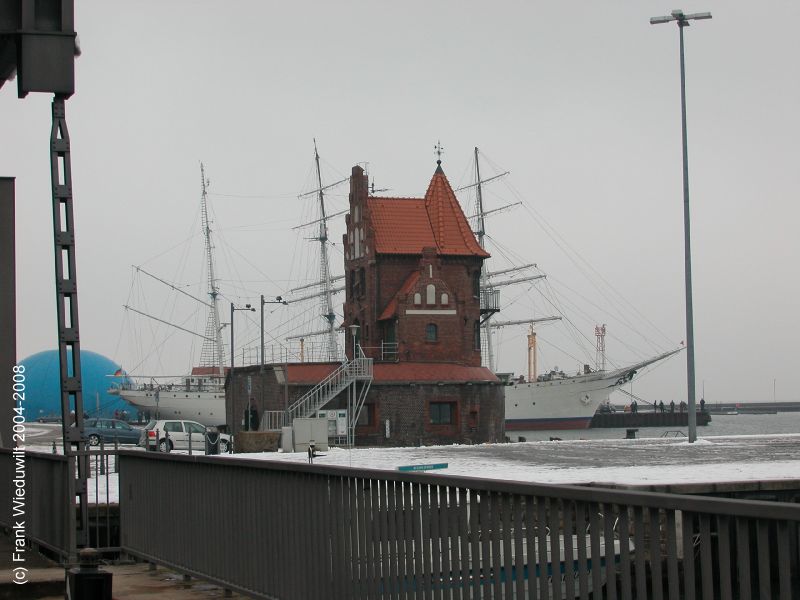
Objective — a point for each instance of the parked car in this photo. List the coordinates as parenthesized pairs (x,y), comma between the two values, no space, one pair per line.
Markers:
(109,430)
(155,432)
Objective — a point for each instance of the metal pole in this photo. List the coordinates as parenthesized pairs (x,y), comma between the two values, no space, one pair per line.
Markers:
(233,388)
(262,332)
(69,347)
(690,378)
(8,310)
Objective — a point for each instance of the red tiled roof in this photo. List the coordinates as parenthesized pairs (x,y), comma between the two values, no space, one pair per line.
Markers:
(207,370)
(453,233)
(429,372)
(402,372)
(310,373)
(391,308)
(401,225)
(407,225)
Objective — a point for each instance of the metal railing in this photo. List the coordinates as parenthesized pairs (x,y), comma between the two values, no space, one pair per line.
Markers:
(490,300)
(292,351)
(273,420)
(44,505)
(302,531)
(359,369)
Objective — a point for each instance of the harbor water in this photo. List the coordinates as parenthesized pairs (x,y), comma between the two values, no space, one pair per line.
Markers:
(720,425)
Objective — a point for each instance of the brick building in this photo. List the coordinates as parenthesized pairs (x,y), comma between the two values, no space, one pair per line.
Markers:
(412,268)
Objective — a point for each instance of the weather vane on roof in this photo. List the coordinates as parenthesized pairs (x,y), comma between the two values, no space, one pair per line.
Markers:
(439,151)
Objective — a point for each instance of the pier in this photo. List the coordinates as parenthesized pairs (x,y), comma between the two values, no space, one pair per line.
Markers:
(646,419)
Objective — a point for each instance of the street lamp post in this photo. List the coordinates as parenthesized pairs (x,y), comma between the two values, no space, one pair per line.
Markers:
(683,21)
(351,397)
(354,332)
(233,387)
(278,300)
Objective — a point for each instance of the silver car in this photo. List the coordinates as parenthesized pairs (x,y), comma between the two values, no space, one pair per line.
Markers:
(174,434)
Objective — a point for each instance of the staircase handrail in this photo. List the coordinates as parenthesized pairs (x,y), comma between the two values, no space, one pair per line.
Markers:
(358,369)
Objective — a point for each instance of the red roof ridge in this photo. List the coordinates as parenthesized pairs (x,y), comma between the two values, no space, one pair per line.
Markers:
(443,209)
(407,225)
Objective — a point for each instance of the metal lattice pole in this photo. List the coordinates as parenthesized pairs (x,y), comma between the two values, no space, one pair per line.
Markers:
(68,330)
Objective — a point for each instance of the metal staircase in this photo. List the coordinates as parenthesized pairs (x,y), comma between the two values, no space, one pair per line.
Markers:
(346,375)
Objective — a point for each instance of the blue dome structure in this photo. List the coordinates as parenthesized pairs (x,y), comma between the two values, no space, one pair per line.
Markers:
(43,387)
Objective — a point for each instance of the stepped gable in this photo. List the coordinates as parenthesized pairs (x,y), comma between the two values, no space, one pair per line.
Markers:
(407,225)
(391,309)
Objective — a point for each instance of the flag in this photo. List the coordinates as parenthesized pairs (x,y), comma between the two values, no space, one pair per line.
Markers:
(119,373)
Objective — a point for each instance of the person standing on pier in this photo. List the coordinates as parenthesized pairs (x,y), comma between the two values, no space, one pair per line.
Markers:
(661,406)
(672,406)
(634,408)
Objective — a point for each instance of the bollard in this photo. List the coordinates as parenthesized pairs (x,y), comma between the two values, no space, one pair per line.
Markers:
(101,458)
(87,581)
(212,441)
(54,447)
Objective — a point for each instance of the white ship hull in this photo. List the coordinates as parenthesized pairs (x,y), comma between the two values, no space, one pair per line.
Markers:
(567,403)
(206,406)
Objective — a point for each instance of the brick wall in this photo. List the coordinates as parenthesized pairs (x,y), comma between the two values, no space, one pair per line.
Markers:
(267,392)
(479,414)
(479,409)
(368,294)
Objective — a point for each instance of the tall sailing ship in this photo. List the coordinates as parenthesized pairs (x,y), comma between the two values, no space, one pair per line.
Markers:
(200,395)
(553,400)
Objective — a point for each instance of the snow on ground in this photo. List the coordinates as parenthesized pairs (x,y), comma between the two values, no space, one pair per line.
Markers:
(650,461)
(625,462)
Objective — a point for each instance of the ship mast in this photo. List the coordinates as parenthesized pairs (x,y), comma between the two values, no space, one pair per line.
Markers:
(324,267)
(484,280)
(211,353)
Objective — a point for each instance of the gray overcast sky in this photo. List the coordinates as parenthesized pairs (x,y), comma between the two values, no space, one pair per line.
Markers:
(578,100)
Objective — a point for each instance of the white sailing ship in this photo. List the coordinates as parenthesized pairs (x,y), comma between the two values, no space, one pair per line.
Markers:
(554,400)
(200,395)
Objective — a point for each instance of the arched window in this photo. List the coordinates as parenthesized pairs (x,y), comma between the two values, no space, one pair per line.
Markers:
(445,298)
(476,336)
(417,298)
(431,332)
(430,294)
(476,284)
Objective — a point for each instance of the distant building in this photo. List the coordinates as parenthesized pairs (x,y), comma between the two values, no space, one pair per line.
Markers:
(412,268)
